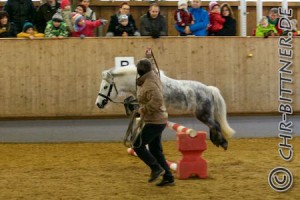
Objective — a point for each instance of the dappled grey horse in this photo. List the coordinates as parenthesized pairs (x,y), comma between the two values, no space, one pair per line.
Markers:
(204,101)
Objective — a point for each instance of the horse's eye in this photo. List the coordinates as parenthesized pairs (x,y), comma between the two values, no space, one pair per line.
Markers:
(105,87)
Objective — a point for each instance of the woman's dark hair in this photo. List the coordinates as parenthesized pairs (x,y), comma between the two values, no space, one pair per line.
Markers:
(226,5)
(143,66)
(123,3)
(3,14)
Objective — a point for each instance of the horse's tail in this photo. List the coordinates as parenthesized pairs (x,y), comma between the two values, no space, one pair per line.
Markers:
(220,113)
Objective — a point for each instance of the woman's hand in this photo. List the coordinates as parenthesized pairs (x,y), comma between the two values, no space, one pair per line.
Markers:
(142,111)
(148,53)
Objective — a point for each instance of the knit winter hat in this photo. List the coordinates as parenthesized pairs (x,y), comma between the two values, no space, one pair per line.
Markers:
(180,2)
(77,18)
(57,17)
(64,3)
(212,4)
(122,17)
(26,26)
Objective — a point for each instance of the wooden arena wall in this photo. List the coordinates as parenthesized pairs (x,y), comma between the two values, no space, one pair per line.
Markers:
(61,77)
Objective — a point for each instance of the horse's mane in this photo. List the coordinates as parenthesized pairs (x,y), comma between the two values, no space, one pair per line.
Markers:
(124,70)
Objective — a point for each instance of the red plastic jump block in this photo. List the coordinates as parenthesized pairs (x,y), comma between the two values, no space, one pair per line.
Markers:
(191,148)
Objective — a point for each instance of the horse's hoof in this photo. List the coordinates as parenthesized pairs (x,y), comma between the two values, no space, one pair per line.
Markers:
(224,144)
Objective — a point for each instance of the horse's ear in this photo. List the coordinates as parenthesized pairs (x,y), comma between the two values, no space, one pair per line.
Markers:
(106,74)
(116,72)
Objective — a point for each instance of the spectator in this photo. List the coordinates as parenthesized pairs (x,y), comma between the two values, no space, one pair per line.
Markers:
(81,9)
(215,18)
(153,23)
(66,14)
(294,29)
(229,27)
(56,28)
(7,29)
(85,28)
(264,29)
(45,13)
(28,32)
(19,12)
(273,19)
(89,14)
(182,16)
(124,29)
(114,20)
(200,20)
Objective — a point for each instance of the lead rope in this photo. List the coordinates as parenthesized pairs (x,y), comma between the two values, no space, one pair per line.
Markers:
(155,63)
(133,133)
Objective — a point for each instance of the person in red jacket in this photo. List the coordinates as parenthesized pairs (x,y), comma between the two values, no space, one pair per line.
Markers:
(85,28)
(182,16)
(215,18)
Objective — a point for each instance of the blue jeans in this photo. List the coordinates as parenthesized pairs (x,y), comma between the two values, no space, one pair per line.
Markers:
(154,157)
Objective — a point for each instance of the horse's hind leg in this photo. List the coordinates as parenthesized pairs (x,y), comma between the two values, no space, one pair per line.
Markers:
(215,132)
(204,114)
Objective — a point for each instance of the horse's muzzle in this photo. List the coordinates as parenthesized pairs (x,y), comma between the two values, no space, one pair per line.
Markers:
(100,105)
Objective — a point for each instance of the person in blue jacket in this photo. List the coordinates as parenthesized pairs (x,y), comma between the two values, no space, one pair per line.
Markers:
(201,21)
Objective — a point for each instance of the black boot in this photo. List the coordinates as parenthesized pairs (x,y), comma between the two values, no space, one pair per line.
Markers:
(155,174)
(166,182)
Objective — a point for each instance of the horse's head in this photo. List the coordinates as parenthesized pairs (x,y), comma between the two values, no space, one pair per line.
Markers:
(108,90)
(115,81)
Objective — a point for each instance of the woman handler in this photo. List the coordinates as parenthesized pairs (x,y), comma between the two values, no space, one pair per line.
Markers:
(153,112)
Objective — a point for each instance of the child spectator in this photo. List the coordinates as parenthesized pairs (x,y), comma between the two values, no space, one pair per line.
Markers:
(7,29)
(89,14)
(56,28)
(265,29)
(124,28)
(85,28)
(29,32)
(201,20)
(114,20)
(215,18)
(182,16)
(294,29)
(66,14)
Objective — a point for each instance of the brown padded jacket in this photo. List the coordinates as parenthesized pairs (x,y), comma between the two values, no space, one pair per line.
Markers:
(150,97)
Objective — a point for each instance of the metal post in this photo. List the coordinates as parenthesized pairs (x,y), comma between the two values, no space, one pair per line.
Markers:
(259,10)
(243,17)
(284,4)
